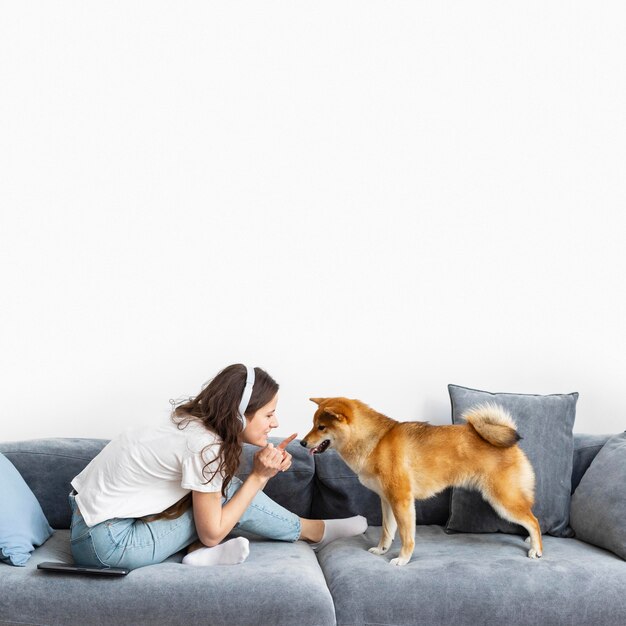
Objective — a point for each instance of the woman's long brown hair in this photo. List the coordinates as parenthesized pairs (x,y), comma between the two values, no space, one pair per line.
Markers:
(217,407)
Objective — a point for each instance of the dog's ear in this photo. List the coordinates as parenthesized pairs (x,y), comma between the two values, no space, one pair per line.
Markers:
(339,408)
(335,412)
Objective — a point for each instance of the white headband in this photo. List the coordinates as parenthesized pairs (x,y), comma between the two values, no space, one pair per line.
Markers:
(247,392)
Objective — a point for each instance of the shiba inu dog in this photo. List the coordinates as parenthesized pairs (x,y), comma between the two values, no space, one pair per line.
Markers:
(405,461)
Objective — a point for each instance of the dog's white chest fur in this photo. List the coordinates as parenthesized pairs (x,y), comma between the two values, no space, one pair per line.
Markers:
(371,482)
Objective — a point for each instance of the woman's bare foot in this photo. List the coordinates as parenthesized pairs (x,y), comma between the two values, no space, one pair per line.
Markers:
(311,529)
(322,532)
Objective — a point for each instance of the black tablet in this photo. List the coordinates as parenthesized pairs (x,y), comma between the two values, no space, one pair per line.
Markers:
(51,566)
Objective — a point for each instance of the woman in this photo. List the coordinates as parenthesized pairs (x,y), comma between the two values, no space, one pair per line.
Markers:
(154,491)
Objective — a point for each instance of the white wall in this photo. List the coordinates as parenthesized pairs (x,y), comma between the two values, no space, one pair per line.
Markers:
(370,199)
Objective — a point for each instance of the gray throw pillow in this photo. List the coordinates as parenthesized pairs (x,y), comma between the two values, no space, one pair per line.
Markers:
(598,510)
(545,424)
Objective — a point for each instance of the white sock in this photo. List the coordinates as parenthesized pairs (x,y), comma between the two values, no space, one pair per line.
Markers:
(228,553)
(337,528)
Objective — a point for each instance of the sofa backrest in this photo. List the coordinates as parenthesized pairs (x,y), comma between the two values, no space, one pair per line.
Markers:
(585,449)
(319,487)
(292,489)
(49,465)
(338,493)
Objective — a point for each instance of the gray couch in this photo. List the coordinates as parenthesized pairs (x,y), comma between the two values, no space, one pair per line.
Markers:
(452,578)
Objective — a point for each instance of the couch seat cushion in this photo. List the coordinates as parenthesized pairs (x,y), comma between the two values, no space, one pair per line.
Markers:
(280,583)
(473,579)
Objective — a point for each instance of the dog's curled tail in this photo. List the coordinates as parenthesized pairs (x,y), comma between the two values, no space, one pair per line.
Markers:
(493,423)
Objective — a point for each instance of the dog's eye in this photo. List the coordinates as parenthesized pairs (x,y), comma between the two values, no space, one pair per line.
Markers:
(321,427)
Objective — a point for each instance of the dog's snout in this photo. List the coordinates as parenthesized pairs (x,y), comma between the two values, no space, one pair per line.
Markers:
(303,442)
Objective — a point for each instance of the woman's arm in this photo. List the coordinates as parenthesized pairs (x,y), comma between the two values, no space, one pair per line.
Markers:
(214,521)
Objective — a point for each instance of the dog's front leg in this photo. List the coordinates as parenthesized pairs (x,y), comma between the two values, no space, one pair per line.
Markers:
(389,528)
(404,511)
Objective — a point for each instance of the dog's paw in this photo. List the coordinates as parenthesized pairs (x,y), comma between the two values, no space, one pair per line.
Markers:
(399,561)
(377,550)
(534,554)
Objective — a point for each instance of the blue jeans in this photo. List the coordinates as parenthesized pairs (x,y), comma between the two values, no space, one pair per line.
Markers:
(131,543)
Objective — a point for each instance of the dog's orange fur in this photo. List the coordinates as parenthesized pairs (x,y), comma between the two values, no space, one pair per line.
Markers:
(404,461)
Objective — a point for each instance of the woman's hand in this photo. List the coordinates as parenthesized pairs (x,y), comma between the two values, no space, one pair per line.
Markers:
(267,462)
(286,463)
(271,460)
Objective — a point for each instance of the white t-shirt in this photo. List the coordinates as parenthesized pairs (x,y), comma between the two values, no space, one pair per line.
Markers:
(146,470)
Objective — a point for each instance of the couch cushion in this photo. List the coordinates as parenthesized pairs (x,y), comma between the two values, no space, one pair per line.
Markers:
(545,424)
(48,466)
(470,579)
(338,493)
(585,449)
(279,583)
(598,510)
(22,522)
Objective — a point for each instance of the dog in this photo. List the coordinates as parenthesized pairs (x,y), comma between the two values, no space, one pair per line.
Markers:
(405,461)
